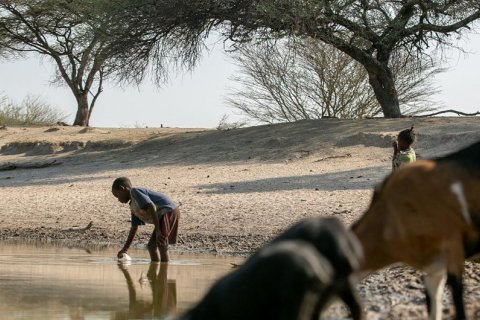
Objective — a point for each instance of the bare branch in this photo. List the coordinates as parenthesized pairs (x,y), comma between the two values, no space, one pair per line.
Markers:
(459,113)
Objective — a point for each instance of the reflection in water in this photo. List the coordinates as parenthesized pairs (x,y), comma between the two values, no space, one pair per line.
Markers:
(164,293)
(51,282)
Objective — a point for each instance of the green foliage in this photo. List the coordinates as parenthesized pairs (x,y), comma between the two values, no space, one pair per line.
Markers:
(32,111)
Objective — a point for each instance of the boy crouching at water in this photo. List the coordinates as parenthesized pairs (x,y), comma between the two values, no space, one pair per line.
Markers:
(152,207)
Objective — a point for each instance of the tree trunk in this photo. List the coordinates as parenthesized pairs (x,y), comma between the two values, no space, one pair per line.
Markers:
(386,94)
(81,119)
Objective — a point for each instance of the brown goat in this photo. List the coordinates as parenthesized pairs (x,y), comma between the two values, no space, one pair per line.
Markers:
(427,215)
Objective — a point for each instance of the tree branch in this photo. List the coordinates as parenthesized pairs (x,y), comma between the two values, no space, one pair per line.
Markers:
(460,113)
(33,165)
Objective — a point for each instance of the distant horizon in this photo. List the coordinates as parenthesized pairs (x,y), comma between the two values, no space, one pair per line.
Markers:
(197,99)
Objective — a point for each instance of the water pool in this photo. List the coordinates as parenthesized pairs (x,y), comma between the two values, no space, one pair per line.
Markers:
(53,282)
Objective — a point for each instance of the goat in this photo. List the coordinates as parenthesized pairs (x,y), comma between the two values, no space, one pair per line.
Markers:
(427,215)
(342,250)
(282,281)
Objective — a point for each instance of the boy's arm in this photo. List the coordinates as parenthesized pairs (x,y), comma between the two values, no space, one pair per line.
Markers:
(131,236)
(395,147)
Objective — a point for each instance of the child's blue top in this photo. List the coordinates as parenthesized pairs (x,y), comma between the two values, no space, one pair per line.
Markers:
(140,197)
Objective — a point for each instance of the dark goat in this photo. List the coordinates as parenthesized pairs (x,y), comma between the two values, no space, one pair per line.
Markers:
(427,214)
(340,247)
(282,281)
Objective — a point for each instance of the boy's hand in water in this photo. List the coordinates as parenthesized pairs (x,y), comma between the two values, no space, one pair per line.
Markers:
(120,253)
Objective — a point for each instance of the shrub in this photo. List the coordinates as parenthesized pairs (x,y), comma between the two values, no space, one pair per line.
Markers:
(31,111)
(225,125)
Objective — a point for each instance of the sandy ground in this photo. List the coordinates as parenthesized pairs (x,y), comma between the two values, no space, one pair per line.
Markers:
(237,188)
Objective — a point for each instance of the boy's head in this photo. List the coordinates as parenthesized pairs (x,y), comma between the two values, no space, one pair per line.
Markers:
(121,189)
(406,138)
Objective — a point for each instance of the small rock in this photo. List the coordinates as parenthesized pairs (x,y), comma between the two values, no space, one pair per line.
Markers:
(52,129)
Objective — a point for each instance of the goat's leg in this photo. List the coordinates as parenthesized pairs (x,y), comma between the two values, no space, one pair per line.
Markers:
(349,296)
(434,283)
(455,266)
(345,290)
(456,285)
(427,297)
(324,300)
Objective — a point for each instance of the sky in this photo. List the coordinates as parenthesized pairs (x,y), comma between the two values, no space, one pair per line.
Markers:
(197,99)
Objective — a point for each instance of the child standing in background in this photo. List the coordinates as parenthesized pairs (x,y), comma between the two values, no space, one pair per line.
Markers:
(403,152)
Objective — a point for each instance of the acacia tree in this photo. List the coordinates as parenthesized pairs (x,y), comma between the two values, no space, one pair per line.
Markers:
(369,31)
(68,32)
(306,79)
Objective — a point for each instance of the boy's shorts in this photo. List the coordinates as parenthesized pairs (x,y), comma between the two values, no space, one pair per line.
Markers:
(169,226)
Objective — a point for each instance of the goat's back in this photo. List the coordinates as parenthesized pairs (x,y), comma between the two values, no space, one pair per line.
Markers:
(467,158)
(331,238)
